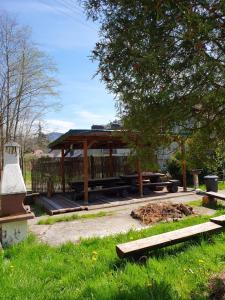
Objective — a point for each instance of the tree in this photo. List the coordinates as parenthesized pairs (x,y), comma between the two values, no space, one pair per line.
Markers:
(165,61)
(205,152)
(26,82)
(42,140)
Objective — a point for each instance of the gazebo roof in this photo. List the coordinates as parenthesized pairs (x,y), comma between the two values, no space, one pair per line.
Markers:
(97,139)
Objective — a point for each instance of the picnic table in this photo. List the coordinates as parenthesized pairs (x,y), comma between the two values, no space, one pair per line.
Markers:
(93,183)
(123,184)
(151,181)
(153,177)
(99,185)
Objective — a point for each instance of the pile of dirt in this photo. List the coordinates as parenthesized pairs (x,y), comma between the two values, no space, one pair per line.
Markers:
(166,211)
(217,287)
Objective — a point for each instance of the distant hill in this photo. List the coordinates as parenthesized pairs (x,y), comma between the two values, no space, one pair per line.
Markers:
(53,136)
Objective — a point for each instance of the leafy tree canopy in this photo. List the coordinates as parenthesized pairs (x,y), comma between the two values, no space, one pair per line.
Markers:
(165,61)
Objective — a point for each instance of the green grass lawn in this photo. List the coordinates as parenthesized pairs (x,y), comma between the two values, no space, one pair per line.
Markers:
(221,185)
(92,270)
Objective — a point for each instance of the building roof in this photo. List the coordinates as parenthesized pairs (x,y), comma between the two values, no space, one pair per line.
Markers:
(97,138)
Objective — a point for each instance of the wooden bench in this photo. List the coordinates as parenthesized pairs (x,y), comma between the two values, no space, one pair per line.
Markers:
(104,182)
(122,190)
(167,239)
(172,186)
(215,195)
(219,220)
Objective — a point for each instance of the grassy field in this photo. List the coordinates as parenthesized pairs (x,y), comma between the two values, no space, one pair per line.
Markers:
(53,220)
(92,270)
(221,185)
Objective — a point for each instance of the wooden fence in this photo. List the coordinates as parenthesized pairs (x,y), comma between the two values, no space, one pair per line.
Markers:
(99,167)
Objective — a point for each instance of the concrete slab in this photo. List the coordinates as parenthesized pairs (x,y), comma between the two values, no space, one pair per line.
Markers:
(59,233)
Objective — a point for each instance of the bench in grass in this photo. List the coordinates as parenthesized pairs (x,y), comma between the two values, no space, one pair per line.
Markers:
(169,238)
(219,220)
(215,195)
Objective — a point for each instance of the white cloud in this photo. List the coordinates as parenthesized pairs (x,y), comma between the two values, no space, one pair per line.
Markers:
(91,118)
(59,125)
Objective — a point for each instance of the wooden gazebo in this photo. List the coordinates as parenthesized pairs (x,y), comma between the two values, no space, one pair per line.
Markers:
(86,139)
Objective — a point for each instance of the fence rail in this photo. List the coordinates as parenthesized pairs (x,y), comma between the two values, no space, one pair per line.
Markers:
(99,167)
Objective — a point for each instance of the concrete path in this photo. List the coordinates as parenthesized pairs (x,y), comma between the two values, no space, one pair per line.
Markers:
(118,222)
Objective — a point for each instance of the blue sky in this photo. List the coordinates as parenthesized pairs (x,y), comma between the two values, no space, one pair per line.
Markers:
(68,38)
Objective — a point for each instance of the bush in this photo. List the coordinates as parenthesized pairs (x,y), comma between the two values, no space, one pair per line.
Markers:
(175,169)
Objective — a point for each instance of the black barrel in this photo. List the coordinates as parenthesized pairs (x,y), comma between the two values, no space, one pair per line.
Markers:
(211,183)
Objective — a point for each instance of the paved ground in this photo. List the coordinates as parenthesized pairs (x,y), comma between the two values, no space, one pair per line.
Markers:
(120,221)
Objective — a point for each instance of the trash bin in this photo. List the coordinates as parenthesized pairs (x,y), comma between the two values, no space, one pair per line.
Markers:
(211,183)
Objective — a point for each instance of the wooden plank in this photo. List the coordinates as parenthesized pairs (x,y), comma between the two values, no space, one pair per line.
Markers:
(70,203)
(64,210)
(215,195)
(108,189)
(165,239)
(111,189)
(51,203)
(63,203)
(58,205)
(96,181)
(219,220)
(16,218)
(144,175)
(165,183)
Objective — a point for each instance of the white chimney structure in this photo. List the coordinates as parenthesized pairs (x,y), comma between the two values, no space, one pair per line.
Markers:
(13,214)
(12,178)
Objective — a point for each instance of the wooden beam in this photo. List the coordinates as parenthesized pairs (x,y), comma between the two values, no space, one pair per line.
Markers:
(219,220)
(85,172)
(93,138)
(63,170)
(215,195)
(184,166)
(166,239)
(140,179)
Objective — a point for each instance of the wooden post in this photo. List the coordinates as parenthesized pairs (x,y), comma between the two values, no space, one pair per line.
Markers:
(63,170)
(110,162)
(184,166)
(140,181)
(85,171)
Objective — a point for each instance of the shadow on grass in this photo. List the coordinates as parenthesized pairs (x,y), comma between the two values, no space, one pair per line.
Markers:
(151,290)
(217,206)
(181,247)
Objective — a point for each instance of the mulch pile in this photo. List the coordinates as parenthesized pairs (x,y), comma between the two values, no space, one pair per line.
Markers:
(217,287)
(155,212)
